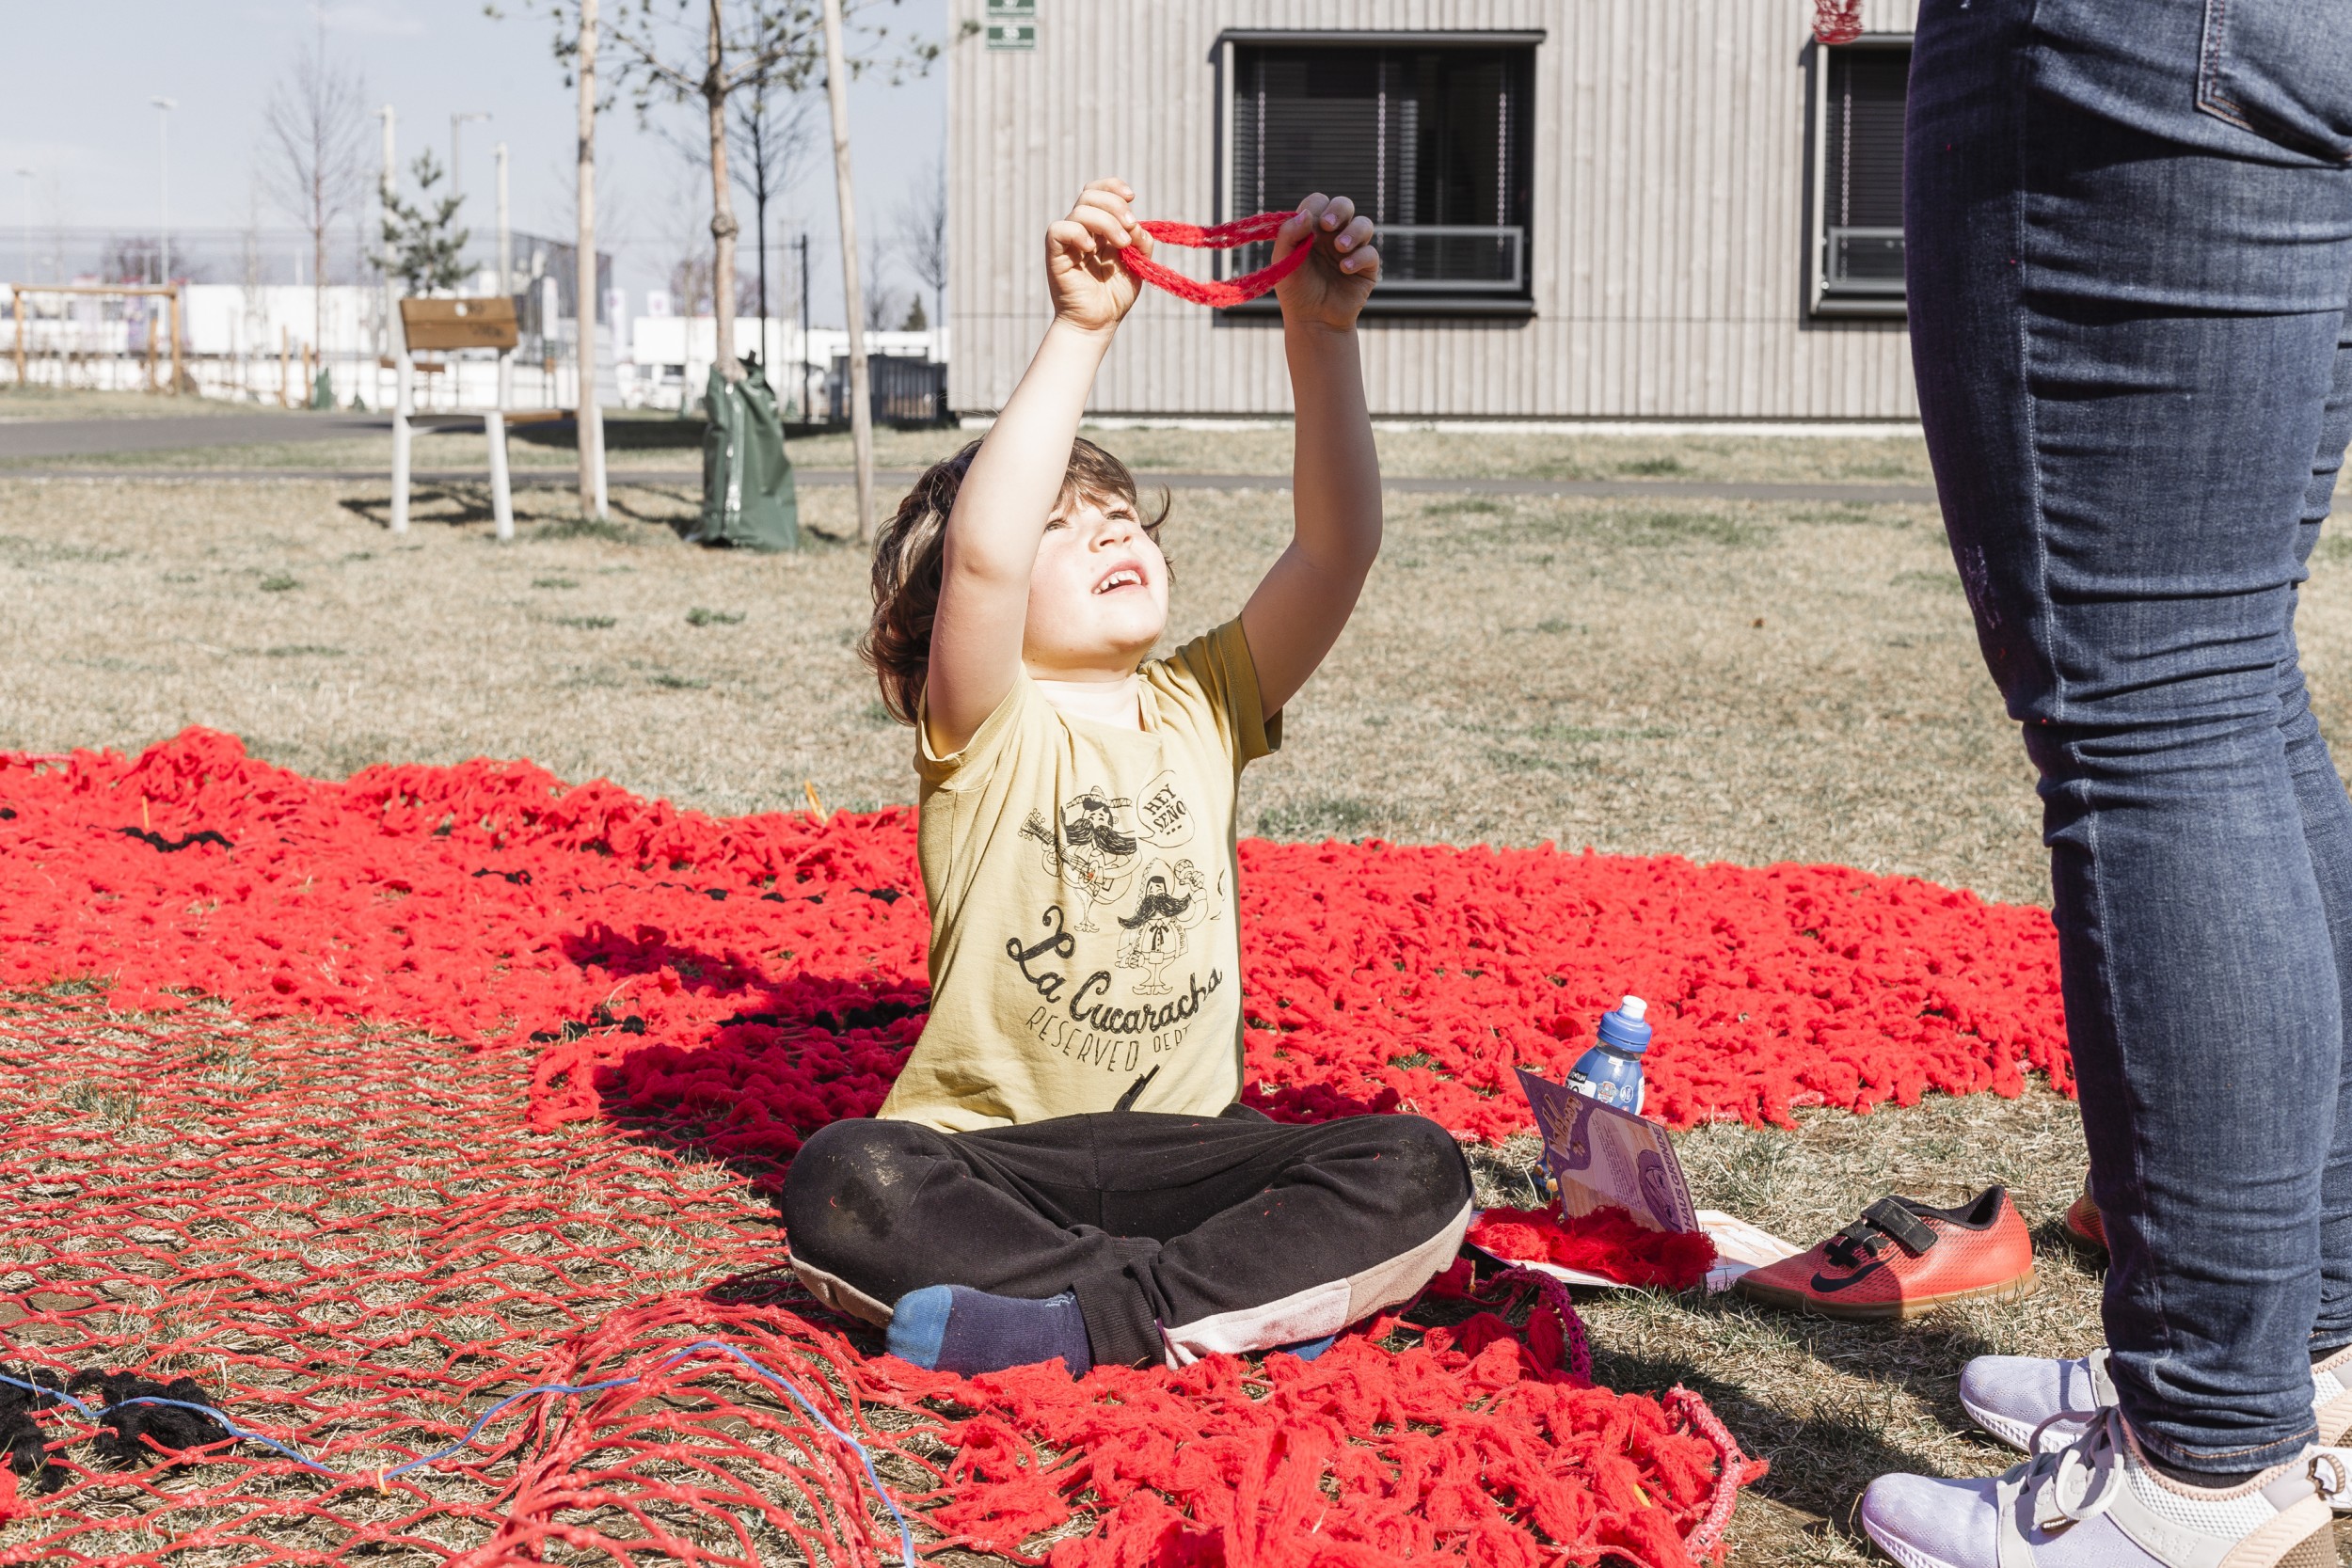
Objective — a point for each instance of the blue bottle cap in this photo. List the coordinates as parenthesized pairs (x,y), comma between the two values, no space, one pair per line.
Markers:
(1625,1029)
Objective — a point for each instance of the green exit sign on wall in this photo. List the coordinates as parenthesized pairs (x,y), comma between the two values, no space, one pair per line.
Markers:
(1012,23)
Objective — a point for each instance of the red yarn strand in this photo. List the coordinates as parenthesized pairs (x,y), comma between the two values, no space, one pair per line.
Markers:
(1225,236)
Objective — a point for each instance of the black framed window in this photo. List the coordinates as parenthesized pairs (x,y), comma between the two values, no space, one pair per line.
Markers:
(1859,165)
(1432,136)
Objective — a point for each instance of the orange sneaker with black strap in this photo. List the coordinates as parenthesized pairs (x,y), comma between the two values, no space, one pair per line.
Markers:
(1902,1258)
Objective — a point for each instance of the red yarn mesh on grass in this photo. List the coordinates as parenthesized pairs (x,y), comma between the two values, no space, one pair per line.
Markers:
(360,1237)
(355,1243)
(750,979)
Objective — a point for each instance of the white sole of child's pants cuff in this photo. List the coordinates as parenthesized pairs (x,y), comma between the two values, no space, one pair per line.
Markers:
(1901,1550)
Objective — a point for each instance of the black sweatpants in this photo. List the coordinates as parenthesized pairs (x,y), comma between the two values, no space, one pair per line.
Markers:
(1181,1236)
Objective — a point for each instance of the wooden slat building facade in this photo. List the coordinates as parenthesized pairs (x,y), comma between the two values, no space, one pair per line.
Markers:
(1697,222)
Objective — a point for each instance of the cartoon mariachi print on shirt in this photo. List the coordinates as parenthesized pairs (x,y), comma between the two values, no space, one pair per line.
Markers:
(1123,996)
(1090,854)
(1155,932)
(1095,849)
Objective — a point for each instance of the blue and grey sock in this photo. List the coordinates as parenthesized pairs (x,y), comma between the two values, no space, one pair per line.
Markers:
(951,1328)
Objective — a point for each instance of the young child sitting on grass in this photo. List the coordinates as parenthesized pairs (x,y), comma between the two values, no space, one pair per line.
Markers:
(1063,1168)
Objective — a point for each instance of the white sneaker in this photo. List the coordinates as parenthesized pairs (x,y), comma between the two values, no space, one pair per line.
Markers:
(2014,1397)
(2098,1503)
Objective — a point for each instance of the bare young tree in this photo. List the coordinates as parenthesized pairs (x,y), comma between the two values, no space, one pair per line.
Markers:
(577,36)
(922,235)
(589,287)
(741,40)
(135,260)
(314,160)
(690,283)
(881,300)
(770,129)
(667,50)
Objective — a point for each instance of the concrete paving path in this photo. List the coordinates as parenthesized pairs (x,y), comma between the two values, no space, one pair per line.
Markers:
(170,432)
(885,479)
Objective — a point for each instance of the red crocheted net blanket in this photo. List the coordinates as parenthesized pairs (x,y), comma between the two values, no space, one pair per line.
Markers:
(774,966)
(245,1162)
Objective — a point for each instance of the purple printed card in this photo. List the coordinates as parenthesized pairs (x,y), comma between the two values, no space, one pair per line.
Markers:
(1601,1155)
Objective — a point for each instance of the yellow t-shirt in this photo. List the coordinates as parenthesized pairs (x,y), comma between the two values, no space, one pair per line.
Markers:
(1081,879)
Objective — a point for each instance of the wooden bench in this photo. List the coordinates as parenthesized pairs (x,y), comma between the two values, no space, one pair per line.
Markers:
(453,326)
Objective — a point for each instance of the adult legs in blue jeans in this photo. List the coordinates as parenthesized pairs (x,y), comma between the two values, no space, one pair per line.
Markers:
(2129,225)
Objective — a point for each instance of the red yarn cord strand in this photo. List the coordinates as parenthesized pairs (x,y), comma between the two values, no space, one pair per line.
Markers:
(1224,236)
(1735,1469)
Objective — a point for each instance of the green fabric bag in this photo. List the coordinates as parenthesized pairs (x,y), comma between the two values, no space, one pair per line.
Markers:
(749,500)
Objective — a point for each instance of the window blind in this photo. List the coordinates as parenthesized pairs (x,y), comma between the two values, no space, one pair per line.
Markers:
(1862,169)
(1428,142)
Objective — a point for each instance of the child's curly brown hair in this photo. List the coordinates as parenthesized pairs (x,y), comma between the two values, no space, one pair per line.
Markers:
(910,546)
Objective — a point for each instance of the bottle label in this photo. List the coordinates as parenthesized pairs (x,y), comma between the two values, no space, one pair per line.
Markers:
(1607,1091)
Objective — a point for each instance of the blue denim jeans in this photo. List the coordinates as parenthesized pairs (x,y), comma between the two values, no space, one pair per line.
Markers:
(2129,227)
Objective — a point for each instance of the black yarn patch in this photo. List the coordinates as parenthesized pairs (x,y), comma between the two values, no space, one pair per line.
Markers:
(173,845)
(21,1436)
(124,1433)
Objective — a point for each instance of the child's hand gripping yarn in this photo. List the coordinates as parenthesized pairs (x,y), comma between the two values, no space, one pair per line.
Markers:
(1089,287)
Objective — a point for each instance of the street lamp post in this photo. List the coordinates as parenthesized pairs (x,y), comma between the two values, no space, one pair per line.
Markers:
(385,187)
(507,234)
(456,129)
(163,161)
(26,175)
(163,259)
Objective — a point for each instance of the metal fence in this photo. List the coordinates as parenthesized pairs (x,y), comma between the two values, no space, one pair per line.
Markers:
(258,324)
(902,391)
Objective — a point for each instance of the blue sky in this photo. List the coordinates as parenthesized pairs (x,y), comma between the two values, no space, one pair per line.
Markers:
(77,112)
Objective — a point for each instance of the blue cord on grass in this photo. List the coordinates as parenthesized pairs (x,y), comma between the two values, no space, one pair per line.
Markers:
(906,1534)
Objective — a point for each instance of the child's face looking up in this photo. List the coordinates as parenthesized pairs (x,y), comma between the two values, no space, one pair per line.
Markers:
(1098,595)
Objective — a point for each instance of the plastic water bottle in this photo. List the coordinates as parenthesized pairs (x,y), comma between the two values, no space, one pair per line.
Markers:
(1611,1071)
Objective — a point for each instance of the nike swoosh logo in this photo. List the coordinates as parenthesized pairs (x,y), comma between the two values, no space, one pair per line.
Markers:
(1831,1286)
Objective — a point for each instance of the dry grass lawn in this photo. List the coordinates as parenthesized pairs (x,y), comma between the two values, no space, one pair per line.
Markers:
(1719,680)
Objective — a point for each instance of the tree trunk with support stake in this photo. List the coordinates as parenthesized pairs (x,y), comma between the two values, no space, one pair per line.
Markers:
(586,284)
(722,224)
(852,296)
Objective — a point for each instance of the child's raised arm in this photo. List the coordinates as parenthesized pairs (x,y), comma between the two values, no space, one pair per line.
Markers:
(1016,477)
(1303,603)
